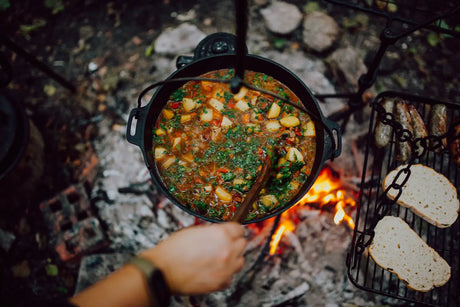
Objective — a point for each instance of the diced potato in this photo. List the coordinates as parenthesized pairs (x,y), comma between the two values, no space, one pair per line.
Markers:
(269,201)
(206,115)
(188,157)
(294,185)
(294,154)
(168,162)
(308,129)
(189,104)
(290,121)
(160,131)
(242,105)
(185,118)
(160,152)
(176,141)
(281,161)
(273,125)
(240,95)
(223,195)
(168,114)
(207,85)
(274,111)
(207,189)
(226,122)
(216,104)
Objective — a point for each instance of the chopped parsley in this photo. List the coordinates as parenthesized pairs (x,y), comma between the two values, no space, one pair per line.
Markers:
(228,96)
(178,95)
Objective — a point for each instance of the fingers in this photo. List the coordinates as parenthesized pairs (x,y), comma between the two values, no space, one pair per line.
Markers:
(240,246)
(235,230)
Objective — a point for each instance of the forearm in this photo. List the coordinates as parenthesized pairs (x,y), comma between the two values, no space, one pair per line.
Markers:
(126,287)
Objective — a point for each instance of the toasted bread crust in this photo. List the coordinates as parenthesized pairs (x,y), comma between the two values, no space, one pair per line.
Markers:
(427,193)
(398,249)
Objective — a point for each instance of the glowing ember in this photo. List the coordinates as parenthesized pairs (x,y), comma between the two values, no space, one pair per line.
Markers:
(326,190)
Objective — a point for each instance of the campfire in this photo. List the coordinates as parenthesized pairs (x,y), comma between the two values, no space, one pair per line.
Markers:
(329,194)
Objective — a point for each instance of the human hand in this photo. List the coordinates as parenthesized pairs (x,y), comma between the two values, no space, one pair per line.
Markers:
(200,259)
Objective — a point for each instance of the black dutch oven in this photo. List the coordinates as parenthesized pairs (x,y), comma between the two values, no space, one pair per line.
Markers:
(328,136)
(14,123)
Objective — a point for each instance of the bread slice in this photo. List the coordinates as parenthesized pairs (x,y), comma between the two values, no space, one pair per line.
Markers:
(427,193)
(398,249)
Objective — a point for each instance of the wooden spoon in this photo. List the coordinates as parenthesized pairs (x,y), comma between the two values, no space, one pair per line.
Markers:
(243,210)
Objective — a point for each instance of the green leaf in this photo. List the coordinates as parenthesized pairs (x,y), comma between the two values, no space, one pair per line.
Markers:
(279,43)
(55,6)
(62,289)
(37,24)
(149,51)
(49,90)
(443,24)
(4,4)
(311,6)
(433,39)
(51,270)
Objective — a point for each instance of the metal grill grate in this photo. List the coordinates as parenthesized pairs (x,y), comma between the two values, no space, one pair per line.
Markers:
(412,12)
(362,270)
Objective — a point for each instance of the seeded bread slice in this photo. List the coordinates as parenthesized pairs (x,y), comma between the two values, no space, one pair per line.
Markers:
(398,249)
(427,193)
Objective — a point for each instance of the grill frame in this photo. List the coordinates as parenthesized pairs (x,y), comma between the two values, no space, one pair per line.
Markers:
(411,12)
(362,271)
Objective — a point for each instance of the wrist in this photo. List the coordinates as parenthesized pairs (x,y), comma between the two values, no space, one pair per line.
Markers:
(155,282)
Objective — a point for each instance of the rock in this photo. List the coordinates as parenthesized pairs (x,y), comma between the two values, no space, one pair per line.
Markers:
(319,84)
(320,31)
(281,17)
(296,61)
(311,72)
(182,39)
(6,239)
(348,63)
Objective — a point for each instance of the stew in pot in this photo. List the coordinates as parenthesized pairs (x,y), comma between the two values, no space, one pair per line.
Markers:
(209,145)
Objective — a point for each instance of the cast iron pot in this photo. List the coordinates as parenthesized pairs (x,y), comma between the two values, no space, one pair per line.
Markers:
(327,132)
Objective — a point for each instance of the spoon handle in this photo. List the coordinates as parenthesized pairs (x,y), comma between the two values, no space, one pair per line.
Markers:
(243,210)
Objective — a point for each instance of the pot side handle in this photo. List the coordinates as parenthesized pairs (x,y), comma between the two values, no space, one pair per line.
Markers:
(332,151)
(136,137)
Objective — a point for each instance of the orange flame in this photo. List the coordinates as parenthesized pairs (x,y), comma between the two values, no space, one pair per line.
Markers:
(326,190)
(286,225)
